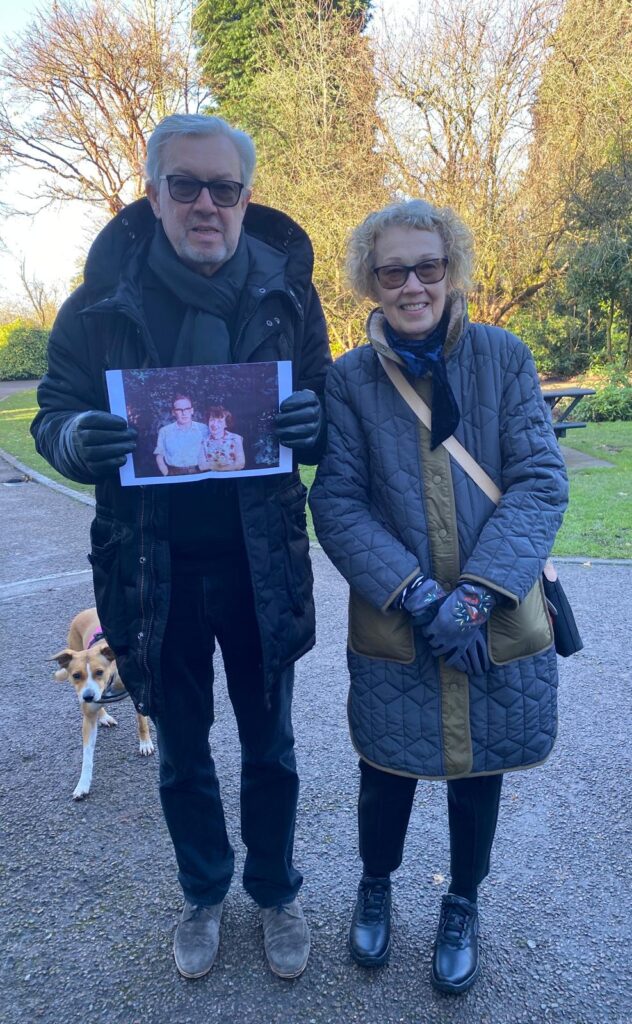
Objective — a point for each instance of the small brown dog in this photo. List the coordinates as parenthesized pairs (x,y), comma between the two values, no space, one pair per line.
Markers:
(89,664)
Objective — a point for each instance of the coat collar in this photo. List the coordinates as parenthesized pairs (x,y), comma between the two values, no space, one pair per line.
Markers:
(280,250)
(456,323)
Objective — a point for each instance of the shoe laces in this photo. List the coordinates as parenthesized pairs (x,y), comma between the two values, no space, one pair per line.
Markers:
(197,911)
(374,896)
(455,922)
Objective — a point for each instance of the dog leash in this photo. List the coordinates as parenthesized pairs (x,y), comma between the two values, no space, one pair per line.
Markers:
(112,694)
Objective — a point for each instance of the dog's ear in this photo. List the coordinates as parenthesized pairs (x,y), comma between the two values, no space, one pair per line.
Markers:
(108,653)
(63,658)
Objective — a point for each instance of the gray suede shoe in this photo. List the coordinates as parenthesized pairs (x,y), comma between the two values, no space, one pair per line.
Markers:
(197,939)
(286,939)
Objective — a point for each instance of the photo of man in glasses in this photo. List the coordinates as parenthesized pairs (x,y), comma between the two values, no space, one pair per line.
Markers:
(196,275)
(178,445)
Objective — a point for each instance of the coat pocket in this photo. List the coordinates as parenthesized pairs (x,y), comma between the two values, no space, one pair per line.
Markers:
(520,632)
(106,537)
(298,568)
(373,633)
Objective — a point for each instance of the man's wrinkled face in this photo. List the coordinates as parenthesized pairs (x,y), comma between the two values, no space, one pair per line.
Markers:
(203,235)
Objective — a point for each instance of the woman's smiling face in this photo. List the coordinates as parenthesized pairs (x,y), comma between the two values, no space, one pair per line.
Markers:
(414,309)
(217,427)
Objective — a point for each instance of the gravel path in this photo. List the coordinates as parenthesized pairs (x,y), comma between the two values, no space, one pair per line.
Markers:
(88,894)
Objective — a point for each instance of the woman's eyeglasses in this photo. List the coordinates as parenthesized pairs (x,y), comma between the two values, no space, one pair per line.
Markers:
(187,190)
(428,272)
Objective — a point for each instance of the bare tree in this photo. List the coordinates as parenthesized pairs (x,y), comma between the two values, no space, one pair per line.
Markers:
(457,89)
(42,300)
(82,87)
(583,114)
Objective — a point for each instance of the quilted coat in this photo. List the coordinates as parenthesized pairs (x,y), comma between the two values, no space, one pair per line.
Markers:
(103,325)
(386,507)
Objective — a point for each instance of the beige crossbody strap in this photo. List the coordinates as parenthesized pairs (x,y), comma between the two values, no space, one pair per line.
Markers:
(456,449)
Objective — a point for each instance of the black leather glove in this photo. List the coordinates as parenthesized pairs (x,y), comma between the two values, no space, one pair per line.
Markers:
(99,442)
(300,420)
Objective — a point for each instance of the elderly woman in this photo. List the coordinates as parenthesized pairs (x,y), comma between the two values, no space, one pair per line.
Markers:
(453,672)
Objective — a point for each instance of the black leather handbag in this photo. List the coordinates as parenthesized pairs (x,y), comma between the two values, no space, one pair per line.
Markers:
(565,632)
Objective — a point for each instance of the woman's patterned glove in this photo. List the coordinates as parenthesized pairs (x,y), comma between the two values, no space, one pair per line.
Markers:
(475,659)
(458,620)
(422,598)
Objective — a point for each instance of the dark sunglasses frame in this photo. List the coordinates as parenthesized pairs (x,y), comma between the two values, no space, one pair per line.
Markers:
(170,178)
(406,272)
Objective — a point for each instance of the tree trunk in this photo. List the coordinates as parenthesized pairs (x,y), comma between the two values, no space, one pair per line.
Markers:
(609,330)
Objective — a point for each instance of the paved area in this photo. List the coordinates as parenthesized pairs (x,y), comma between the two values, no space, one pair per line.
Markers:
(9,387)
(88,894)
(575,459)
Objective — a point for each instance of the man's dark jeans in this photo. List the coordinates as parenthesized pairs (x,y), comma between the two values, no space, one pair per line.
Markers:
(203,609)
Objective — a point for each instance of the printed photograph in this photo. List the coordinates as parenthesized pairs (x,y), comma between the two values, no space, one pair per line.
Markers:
(196,422)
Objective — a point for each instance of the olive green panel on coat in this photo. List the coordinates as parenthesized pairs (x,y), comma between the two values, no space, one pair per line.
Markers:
(455,717)
(373,633)
(520,632)
(444,549)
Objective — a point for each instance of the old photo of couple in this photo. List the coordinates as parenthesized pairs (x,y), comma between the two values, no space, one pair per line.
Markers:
(196,422)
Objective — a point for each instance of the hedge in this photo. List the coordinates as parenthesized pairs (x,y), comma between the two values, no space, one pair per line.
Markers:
(22,351)
(612,402)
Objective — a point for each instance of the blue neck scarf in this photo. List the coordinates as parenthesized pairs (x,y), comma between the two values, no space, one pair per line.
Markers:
(423,356)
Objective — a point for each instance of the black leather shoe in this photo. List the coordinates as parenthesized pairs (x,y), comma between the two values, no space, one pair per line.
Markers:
(370,934)
(455,963)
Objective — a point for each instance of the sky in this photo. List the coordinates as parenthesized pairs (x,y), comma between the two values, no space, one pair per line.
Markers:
(53,243)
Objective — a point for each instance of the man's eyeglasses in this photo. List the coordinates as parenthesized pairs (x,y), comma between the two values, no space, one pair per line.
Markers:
(428,272)
(185,408)
(187,190)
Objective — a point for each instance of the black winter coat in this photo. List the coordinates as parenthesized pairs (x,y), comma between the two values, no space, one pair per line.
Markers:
(102,326)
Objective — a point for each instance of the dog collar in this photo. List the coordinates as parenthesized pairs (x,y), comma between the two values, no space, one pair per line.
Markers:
(96,637)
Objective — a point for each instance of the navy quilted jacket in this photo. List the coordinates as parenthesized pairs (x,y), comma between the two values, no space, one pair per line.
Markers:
(386,507)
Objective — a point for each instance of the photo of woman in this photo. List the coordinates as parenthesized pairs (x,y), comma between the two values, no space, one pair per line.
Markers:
(221,450)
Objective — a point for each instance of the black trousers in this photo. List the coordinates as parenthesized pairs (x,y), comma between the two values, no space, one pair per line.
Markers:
(205,609)
(384,807)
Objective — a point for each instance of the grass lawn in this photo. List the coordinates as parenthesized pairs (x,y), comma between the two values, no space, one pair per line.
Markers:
(598,523)
(16,414)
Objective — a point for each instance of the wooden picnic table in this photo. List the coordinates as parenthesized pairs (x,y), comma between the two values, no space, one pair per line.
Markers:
(561,413)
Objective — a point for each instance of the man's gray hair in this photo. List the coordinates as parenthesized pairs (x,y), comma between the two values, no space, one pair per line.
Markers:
(416,213)
(197,125)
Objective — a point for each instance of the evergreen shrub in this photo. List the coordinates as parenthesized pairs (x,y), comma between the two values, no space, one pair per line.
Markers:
(553,340)
(22,350)
(612,402)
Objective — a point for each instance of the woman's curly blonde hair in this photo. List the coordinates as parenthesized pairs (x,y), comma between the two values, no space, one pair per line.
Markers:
(415,213)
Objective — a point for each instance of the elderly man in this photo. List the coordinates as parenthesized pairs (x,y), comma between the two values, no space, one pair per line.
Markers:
(192,275)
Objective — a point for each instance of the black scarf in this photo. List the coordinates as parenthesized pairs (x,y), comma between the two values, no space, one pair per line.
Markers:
(212,302)
(424,356)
